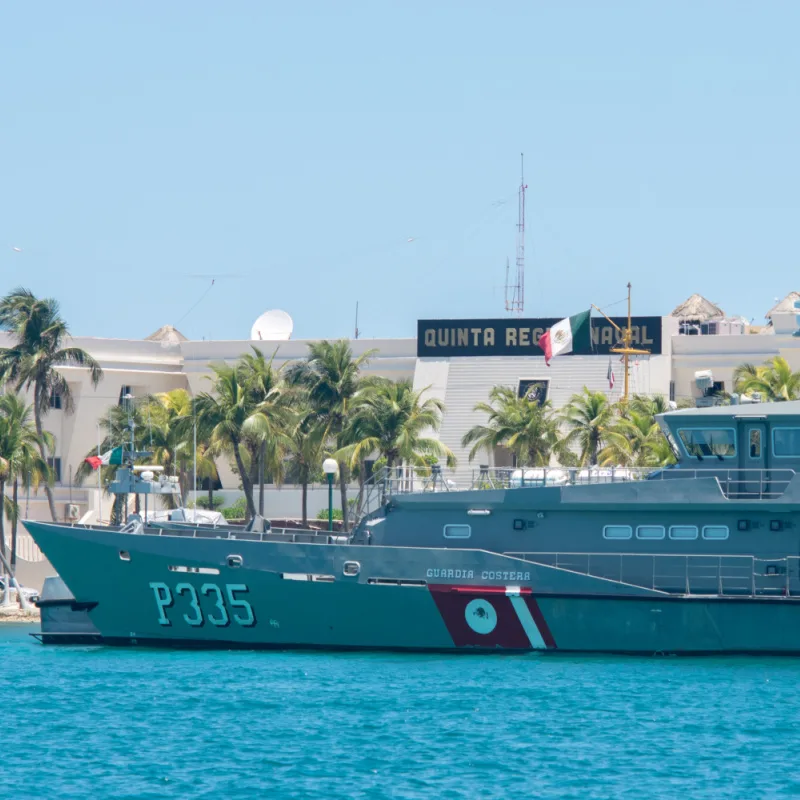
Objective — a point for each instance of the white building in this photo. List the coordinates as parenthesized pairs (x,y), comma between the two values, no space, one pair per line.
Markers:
(694,352)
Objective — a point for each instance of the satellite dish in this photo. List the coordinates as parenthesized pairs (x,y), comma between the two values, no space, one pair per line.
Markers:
(275,325)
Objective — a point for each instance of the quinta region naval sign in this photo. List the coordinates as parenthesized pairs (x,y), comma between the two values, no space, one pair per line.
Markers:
(446,338)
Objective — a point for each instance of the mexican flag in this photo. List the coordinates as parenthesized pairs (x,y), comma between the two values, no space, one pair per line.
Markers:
(112,457)
(572,333)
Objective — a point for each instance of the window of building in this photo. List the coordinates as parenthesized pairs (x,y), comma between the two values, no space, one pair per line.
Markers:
(683,532)
(457,531)
(55,465)
(786,442)
(755,443)
(709,442)
(715,532)
(650,532)
(617,532)
(123,392)
(55,400)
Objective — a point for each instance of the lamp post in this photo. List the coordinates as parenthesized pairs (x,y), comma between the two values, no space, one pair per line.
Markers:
(330,467)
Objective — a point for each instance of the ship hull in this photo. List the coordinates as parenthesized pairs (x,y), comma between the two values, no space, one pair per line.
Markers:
(165,591)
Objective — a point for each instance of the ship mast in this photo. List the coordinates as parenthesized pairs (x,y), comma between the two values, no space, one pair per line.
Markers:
(624,347)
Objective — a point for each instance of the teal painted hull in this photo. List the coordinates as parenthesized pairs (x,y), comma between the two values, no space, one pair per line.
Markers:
(165,590)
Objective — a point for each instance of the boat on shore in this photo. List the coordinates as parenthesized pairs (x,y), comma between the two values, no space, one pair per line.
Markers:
(701,558)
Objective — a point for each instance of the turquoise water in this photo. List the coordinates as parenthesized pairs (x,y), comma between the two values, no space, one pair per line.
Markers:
(100,722)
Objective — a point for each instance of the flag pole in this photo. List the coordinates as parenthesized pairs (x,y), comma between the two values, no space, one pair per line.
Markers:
(626,339)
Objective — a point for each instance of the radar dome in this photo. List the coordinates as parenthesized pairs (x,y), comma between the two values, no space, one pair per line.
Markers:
(275,325)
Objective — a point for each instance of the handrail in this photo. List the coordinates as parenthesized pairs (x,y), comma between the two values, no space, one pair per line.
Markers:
(683,574)
(740,484)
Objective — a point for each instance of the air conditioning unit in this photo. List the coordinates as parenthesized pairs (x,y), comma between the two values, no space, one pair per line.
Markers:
(71,512)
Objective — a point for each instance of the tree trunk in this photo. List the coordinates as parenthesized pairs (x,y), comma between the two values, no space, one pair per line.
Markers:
(304,496)
(3,519)
(14,495)
(343,492)
(247,484)
(183,482)
(12,581)
(262,452)
(120,502)
(210,495)
(37,416)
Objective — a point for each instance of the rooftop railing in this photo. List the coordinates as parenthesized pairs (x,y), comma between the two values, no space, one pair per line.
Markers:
(735,484)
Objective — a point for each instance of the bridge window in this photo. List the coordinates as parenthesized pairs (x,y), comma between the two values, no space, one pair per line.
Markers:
(755,443)
(709,442)
(683,532)
(617,532)
(786,442)
(650,532)
(457,531)
(716,532)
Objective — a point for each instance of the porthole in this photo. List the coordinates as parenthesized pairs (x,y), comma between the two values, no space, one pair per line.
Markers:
(617,532)
(715,532)
(650,532)
(683,532)
(351,568)
(457,531)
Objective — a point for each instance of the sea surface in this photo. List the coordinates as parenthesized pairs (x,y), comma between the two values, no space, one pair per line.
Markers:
(94,722)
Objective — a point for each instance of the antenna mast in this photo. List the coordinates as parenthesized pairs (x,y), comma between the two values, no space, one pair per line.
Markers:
(623,347)
(515,293)
(356,331)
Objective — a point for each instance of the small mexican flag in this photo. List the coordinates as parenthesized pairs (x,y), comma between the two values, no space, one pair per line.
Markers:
(572,333)
(112,457)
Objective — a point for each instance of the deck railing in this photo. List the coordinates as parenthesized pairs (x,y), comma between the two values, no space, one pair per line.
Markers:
(734,576)
(737,484)
(190,531)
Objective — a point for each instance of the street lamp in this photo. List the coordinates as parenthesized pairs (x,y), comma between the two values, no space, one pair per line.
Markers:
(330,467)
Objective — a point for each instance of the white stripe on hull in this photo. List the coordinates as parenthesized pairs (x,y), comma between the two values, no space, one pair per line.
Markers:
(525,618)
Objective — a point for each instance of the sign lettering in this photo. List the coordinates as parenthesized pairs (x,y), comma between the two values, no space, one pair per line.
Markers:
(520,337)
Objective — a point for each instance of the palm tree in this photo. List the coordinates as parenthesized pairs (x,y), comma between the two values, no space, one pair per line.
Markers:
(635,438)
(27,465)
(40,349)
(116,432)
(774,380)
(221,418)
(307,436)
(266,427)
(586,417)
(167,421)
(19,457)
(332,379)
(525,427)
(391,421)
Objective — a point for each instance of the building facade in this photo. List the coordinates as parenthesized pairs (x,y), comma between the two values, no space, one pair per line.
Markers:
(457,361)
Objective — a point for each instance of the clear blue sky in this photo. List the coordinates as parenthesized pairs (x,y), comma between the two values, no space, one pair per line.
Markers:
(301,144)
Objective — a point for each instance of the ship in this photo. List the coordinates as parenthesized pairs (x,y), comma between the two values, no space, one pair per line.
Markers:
(698,558)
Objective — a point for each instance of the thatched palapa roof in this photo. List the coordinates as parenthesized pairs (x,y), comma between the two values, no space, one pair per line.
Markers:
(786,306)
(167,333)
(697,308)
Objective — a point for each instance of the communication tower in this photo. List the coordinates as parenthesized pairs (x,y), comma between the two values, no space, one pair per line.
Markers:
(515,292)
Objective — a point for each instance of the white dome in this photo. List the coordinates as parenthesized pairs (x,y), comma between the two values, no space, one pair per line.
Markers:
(275,325)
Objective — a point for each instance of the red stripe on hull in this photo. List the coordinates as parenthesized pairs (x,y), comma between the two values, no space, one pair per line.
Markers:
(476,617)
